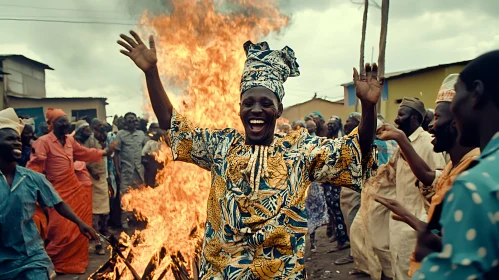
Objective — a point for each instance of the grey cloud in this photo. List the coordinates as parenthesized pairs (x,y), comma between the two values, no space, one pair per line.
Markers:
(87,61)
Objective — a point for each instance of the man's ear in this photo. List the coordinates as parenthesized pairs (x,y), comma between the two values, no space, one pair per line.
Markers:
(280,110)
(478,97)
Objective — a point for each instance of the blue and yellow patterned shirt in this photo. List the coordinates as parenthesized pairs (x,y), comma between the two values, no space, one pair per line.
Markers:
(470,224)
(262,238)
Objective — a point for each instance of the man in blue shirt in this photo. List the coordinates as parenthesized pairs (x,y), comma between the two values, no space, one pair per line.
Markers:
(469,217)
(22,255)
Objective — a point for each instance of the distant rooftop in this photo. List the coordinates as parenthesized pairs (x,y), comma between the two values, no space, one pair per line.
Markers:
(18,56)
(417,70)
(57,98)
(338,101)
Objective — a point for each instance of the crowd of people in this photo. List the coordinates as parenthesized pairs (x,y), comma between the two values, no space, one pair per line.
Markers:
(88,165)
(418,198)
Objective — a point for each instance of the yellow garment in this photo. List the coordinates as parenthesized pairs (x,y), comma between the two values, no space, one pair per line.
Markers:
(443,185)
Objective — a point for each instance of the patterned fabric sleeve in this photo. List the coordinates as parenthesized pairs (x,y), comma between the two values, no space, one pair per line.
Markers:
(196,145)
(469,249)
(339,161)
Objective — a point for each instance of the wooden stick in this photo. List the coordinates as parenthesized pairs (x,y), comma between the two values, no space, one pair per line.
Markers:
(162,275)
(382,40)
(153,264)
(114,244)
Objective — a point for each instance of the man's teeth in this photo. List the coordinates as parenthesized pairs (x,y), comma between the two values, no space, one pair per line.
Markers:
(257,122)
(17,151)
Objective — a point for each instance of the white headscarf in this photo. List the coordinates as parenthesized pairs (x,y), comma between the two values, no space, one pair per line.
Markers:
(9,119)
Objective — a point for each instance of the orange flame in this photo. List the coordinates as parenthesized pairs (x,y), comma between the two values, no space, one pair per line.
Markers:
(200,58)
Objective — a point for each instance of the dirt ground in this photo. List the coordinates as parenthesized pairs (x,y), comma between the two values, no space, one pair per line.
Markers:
(319,264)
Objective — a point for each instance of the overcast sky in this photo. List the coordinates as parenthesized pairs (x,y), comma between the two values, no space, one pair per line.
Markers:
(325,35)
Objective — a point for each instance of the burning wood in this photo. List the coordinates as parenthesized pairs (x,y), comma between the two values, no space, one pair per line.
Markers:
(200,56)
(111,269)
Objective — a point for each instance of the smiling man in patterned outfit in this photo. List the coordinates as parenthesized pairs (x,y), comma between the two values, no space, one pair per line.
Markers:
(256,222)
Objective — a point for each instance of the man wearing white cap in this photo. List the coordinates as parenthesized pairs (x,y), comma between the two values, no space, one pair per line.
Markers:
(22,255)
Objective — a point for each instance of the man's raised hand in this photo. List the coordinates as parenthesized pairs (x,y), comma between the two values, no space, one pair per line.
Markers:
(367,85)
(145,58)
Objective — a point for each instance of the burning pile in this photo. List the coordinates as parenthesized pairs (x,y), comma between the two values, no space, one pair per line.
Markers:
(200,57)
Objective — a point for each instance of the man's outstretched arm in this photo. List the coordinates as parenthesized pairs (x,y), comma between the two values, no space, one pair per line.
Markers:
(146,59)
(418,166)
(65,210)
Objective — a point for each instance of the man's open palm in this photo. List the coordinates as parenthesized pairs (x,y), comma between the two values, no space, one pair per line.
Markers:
(367,85)
(145,58)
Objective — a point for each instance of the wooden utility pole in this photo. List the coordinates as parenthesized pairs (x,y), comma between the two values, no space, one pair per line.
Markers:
(385,4)
(362,46)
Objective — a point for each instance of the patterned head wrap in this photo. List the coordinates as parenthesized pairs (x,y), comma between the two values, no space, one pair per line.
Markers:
(268,68)
(355,115)
(9,119)
(447,92)
(415,104)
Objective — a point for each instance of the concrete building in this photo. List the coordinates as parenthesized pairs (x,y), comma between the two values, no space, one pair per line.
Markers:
(325,107)
(22,87)
(422,83)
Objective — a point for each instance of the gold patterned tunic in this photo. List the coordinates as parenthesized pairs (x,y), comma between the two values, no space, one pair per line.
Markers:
(260,234)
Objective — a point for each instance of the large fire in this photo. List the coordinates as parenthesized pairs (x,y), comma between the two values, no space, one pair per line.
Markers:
(201,59)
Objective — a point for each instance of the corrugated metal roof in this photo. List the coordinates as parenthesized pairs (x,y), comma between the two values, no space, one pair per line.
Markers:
(414,71)
(57,98)
(4,56)
(339,101)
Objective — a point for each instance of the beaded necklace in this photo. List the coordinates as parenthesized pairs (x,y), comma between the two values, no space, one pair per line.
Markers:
(260,155)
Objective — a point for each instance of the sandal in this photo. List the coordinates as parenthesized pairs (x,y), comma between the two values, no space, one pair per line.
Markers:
(344,260)
(337,248)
